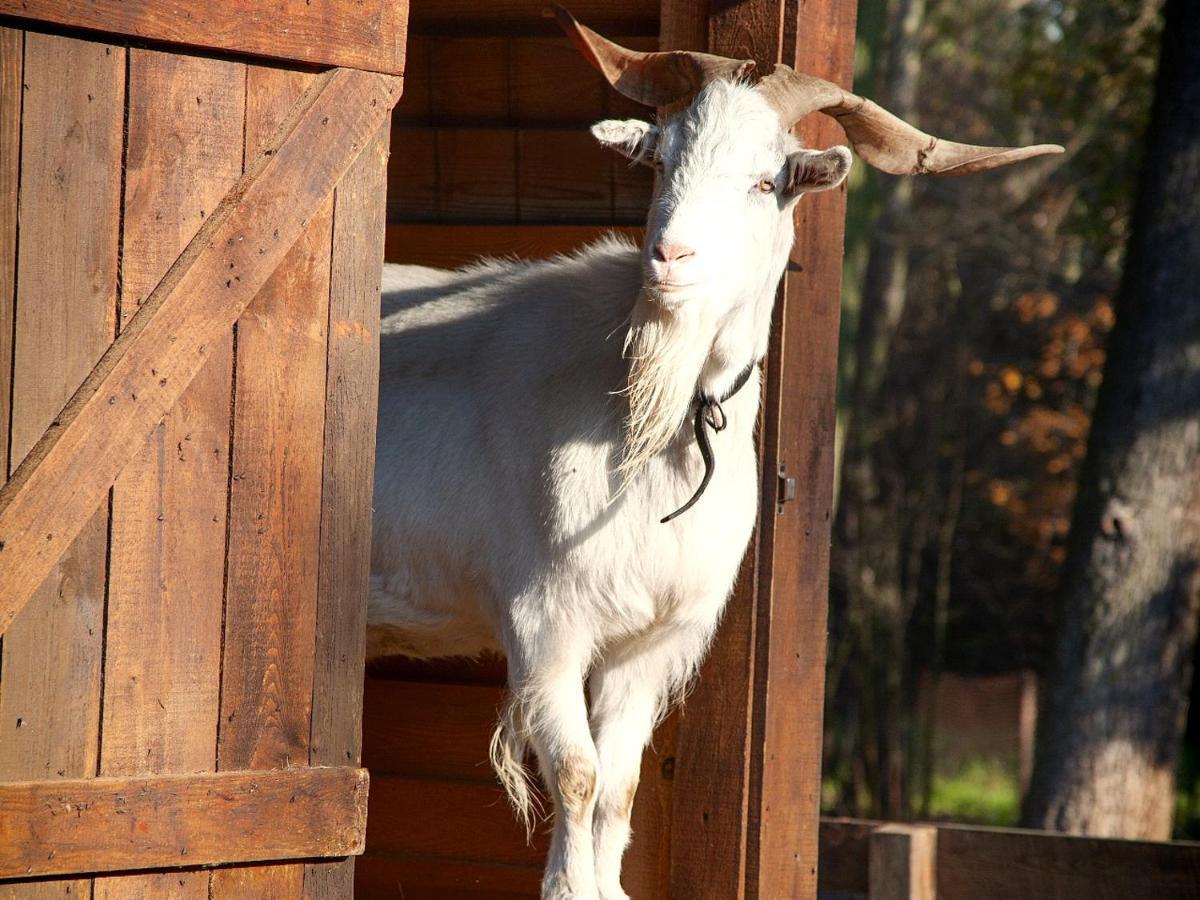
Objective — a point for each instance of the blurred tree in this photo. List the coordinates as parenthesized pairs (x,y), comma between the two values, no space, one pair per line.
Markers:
(971,356)
(1110,731)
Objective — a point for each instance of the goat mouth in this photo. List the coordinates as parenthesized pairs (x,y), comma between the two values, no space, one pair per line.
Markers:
(670,287)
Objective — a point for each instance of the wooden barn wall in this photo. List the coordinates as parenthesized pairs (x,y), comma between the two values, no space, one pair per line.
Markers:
(491,154)
(180,633)
(491,149)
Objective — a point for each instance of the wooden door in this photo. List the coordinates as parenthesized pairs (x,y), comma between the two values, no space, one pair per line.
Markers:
(190,248)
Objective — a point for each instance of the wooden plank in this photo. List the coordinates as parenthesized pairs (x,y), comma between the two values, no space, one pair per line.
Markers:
(1007,864)
(167,342)
(564,176)
(167,542)
(415,107)
(473,822)
(362,34)
(500,175)
(903,862)
(450,246)
(458,17)
(12,63)
(845,856)
(386,877)
(485,669)
(156,821)
(470,81)
(275,499)
(429,730)
(65,318)
(476,175)
(646,870)
(351,389)
(552,85)
(412,176)
(817,37)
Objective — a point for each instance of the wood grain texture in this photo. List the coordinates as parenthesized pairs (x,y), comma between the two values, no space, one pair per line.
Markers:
(162,663)
(275,497)
(66,301)
(167,540)
(482,829)
(903,863)
(12,64)
(1007,864)
(450,246)
(458,17)
(351,393)
(362,34)
(167,342)
(476,175)
(65,318)
(818,38)
(384,877)
(438,731)
(155,821)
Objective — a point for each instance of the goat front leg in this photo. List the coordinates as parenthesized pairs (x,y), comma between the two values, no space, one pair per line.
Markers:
(546,678)
(628,695)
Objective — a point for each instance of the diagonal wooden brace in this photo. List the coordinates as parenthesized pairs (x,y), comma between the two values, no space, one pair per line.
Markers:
(68,473)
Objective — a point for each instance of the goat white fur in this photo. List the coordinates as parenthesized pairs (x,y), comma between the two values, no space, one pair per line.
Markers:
(501,519)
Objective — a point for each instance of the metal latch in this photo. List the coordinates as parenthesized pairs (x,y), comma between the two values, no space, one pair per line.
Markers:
(786,491)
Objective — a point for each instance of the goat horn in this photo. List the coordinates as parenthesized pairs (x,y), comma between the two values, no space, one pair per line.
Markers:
(883,140)
(654,79)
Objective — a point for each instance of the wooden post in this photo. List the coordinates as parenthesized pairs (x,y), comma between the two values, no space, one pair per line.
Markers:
(903,863)
(747,827)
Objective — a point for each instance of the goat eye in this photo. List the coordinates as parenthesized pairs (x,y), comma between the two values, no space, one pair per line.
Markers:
(766,185)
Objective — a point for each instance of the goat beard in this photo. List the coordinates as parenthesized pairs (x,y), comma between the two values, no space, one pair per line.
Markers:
(667,349)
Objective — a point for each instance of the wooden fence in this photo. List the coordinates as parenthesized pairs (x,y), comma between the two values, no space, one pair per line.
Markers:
(863,860)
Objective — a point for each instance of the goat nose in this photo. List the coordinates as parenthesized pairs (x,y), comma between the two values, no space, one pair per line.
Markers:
(667,251)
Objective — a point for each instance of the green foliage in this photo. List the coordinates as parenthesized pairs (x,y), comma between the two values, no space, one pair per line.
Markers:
(982,792)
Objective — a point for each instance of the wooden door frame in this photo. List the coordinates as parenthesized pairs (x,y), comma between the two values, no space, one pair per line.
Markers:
(747,794)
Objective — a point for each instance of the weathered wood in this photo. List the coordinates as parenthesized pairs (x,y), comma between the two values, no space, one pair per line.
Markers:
(65,318)
(384,878)
(362,34)
(165,345)
(903,863)
(275,499)
(449,246)
(167,541)
(646,870)
(163,646)
(429,730)
(476,175)
(155,821)
(482,829)
(817,37)
(845,849)
(351,388)
(12,63)
(457,17)
(503,175)
(564,176)
(1007,864)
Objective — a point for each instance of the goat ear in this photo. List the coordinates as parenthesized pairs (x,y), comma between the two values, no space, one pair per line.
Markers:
(629,137)
(816,170)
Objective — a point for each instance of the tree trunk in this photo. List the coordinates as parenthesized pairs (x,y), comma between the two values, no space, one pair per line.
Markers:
(1110,732)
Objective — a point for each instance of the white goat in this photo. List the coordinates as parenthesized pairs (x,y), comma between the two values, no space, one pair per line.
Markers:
(538,420)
